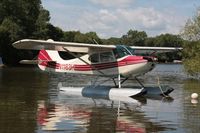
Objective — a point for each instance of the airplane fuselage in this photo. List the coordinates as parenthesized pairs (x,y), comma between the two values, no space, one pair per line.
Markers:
(107,63)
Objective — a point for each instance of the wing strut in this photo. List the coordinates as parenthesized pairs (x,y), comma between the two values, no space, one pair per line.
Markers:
(84,61)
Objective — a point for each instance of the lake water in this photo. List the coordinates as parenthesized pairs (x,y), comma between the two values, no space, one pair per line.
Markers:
(31,103)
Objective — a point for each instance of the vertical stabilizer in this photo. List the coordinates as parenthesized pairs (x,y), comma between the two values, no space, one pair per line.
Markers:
(44,56)
(48,58)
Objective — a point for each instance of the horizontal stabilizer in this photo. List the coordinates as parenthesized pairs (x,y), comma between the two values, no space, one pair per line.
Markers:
(31,62)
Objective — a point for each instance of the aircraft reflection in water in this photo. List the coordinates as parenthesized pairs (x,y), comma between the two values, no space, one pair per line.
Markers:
(97,115)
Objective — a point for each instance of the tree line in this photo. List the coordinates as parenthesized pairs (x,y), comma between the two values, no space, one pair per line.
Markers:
(21,19)
(191,51)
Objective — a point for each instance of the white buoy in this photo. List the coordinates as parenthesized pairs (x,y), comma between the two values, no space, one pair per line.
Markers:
(194,96)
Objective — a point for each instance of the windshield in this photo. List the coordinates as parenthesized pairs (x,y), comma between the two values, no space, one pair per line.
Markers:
(130,50)
(121,51)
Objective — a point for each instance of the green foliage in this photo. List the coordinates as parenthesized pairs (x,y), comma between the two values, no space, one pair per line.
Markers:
(134,37)
(41,24)
(20,19)
(191,53)
(93,37)
(167,40)
(54,33)
(69,36)
(11,27)
(140,38)
(22,12)
(191,32)
(150,41)
(8,53)
(77,36)
(44,30)
(112,41)
(169,56)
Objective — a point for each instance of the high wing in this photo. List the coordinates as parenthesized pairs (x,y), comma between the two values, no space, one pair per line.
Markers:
(83,47)
(150,50)
(59,46)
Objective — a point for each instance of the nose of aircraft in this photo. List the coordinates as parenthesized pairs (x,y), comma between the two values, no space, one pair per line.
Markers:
(150,58)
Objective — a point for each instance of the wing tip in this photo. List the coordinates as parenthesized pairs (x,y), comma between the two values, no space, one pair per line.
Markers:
(20,41)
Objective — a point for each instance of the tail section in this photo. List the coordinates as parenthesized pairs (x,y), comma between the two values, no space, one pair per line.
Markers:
(48,59)
(44,56)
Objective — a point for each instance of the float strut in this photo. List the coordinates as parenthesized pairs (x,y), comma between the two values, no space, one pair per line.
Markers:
(114,82)
(139,82)
(119,81)
(124,80)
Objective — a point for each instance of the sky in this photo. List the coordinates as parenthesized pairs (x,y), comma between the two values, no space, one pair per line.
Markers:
(114,18)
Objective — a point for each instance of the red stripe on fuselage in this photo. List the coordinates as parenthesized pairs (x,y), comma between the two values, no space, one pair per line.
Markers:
(106,65)
(130,60)
(126,61)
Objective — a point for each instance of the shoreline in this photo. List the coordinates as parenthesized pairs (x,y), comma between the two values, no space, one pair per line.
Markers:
(2,65)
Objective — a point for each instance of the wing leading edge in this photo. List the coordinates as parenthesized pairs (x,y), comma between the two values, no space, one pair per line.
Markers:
(141,50)
(59,46)
(82,47)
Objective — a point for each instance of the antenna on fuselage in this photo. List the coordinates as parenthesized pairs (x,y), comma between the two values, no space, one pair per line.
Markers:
(95,41)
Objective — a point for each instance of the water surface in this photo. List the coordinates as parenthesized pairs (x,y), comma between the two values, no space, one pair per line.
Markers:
(30,102)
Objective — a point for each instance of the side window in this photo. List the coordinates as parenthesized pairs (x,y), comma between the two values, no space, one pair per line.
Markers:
(106,57)
(94,58)
(65,55)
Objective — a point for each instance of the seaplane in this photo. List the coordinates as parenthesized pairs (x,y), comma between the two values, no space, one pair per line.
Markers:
(118,63)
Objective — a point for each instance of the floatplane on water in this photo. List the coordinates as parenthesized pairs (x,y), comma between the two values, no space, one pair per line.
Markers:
(116,62)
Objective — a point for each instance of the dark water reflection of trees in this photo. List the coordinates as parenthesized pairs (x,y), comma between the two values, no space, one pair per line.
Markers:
(20,89)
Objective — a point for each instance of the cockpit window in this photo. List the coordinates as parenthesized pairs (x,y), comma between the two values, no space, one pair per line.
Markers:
(132,51)
(65,55)
(102,57)
(94,58)
(110,56)
(122,51)
(106,57)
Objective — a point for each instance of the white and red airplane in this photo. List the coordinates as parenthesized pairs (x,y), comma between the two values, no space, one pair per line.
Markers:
(114,61)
